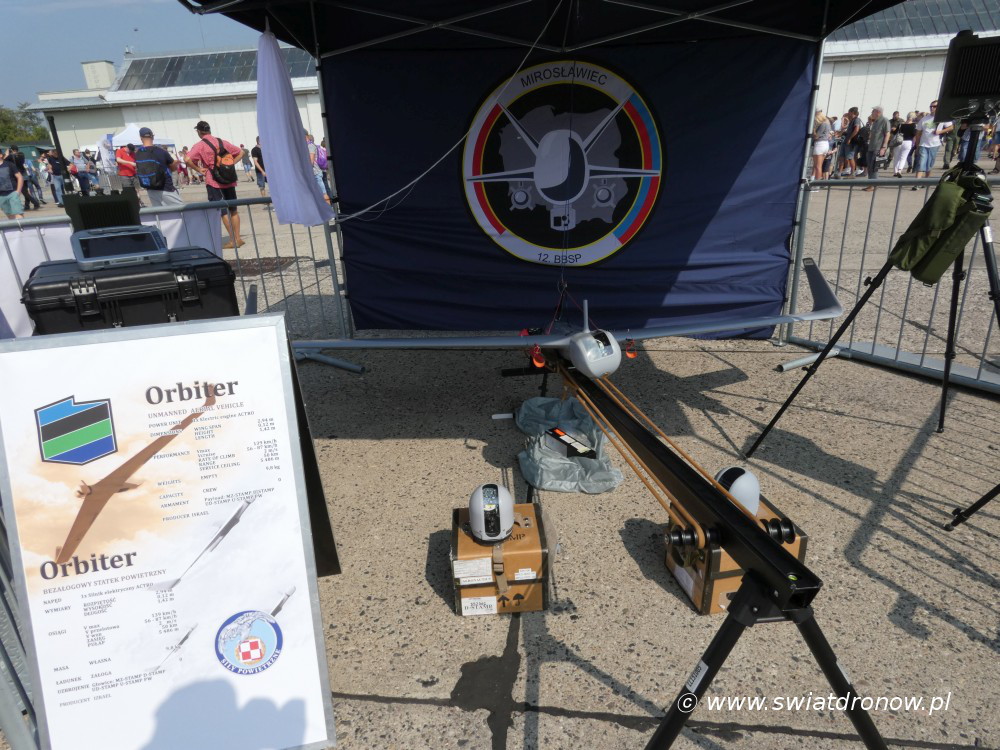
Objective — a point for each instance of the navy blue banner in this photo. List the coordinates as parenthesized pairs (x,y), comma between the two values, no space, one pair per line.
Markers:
(658,182)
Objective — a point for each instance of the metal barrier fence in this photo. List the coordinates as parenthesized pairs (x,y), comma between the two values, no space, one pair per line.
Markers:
(282,267)
(849,232)
(288,268)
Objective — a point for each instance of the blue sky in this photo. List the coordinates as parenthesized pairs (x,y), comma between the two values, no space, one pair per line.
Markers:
(51,38)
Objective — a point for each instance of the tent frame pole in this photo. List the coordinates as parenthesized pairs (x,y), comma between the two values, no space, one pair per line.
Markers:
(336,257)
(694,15)
(720,21)
(802,200)
(425,25)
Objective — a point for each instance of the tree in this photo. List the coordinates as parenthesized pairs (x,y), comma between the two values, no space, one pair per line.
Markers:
(21,124)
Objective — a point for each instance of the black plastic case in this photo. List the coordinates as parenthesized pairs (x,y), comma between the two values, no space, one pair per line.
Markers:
(192,284)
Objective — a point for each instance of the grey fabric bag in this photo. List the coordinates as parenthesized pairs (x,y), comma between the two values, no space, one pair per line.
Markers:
(546,469)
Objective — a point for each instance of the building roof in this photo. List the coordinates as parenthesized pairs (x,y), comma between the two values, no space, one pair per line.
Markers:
(82,102)
(203,68)
(171,76)
(923,18)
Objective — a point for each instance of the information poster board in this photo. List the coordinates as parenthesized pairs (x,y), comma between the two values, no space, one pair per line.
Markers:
(153,492)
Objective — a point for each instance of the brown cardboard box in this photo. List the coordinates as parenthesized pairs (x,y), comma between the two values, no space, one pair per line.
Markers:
(484,600)
(526,566)
(710,577)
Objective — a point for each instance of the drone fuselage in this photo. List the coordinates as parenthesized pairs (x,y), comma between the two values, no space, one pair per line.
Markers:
(593,353)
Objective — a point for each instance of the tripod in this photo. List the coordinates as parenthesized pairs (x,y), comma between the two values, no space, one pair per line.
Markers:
(961,516)
(752,605)
(976,127)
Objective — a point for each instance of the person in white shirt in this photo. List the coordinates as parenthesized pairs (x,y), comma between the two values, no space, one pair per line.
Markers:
(928,141)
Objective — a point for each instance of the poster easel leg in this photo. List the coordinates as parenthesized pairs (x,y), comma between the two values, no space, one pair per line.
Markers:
(873,284)
(750,606)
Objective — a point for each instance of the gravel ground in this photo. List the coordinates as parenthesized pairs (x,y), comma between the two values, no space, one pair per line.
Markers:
(909,608)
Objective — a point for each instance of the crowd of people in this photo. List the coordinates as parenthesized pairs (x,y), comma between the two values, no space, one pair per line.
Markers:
(149,168)
(848,146)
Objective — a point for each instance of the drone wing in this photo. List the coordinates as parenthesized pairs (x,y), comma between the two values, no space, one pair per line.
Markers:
(825,306)
(117,481)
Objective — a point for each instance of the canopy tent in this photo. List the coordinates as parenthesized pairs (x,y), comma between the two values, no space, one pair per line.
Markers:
(131,135)
(328,28)
(643,155)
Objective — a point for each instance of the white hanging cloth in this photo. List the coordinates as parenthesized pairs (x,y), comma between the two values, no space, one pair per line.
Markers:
(296,195)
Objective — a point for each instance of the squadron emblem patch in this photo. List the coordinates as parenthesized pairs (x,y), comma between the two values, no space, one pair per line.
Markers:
(562,164)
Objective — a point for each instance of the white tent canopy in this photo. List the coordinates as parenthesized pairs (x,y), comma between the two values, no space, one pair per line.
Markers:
(131,135)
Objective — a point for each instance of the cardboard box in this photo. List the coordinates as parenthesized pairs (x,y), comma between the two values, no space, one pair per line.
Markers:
(484,600)
(710,577)
(525,562)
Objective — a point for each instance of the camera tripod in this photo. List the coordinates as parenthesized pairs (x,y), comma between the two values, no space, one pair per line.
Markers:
(961,516)
(977,125)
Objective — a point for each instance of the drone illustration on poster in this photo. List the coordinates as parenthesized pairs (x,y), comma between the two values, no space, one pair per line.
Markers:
(95,497)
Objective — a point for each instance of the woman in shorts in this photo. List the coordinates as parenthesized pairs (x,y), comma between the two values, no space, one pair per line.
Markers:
(901,154)
(821,143)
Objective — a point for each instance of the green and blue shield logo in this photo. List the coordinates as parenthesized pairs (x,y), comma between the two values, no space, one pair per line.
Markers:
(75,433)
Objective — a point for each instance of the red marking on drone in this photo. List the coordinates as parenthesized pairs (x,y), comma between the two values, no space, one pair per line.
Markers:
(537,358)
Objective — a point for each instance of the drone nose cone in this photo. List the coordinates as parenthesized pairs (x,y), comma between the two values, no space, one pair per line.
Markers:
(561,167)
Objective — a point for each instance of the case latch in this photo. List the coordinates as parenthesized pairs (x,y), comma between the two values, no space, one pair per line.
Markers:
(84,293)
(187,286)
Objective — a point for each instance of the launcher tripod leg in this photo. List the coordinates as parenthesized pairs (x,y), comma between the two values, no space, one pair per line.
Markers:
(873,284)
(722,644)
(750,606)
(839,681)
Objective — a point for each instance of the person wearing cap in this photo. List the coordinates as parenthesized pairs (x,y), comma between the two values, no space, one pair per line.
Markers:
(161,164)
(201,158)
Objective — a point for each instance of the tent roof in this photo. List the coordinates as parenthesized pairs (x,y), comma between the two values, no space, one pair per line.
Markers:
(331,27)
(131,135)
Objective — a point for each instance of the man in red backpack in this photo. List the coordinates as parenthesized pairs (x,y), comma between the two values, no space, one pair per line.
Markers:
(216,160)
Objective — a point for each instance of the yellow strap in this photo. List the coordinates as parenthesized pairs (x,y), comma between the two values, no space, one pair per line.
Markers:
(498,573)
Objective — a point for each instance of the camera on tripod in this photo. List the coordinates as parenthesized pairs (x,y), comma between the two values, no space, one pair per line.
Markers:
(970,86)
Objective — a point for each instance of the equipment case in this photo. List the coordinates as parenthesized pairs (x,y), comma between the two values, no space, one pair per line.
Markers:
(710,577)
(192,284)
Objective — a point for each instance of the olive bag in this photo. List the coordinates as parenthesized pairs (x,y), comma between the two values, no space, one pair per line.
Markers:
(958,208)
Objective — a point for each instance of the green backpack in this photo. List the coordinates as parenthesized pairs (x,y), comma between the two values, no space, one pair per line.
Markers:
(958,208)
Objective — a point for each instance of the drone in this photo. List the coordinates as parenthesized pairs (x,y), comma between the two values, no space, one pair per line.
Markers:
(597,353)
